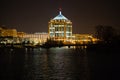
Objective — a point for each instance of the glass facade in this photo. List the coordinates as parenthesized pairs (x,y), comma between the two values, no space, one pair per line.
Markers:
(60,28)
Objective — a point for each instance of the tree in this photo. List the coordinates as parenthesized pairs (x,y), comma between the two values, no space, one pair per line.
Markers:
(99,32)
(105,33)
(108,33)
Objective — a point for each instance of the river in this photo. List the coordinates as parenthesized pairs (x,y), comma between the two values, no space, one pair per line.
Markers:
(55,64)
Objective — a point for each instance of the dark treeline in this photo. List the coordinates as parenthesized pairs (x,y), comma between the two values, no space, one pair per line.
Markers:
(109,38)
(52,43)
(107,34)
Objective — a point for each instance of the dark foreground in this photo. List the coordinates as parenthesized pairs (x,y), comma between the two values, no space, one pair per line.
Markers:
(56,64)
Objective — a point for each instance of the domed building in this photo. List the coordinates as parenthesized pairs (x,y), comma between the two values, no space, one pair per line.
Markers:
(60,28)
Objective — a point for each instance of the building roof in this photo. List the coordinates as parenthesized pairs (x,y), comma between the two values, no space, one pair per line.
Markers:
(60,16)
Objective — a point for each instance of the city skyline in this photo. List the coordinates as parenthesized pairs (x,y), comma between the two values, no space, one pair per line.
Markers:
(33,16)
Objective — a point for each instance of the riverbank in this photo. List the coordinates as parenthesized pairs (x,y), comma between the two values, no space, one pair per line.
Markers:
(104,47)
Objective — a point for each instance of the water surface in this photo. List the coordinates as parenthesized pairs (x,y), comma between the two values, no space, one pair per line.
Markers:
(53,64)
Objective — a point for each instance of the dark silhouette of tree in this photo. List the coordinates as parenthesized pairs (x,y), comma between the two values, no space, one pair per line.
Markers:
(52,43)
(99,32)
(105,33)
(108,34)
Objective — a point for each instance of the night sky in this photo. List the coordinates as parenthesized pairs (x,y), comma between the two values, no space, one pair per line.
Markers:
(33,15)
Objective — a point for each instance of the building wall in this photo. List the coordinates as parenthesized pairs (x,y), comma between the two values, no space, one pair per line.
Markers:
(83,38)
(8,32)
(20,34)
(36,38)
(60,29)
(0,31)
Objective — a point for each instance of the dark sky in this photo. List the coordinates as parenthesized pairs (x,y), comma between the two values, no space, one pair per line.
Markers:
(33,15)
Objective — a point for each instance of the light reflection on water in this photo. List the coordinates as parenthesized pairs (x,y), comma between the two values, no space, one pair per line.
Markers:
(56,64)
(45,64)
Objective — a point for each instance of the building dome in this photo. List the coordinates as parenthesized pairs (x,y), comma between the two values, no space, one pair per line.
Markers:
(60,17)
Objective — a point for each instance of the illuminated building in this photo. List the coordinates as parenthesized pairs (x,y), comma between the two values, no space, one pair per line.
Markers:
(8,32)
(83,38)
(60,28)
(0,31)
(8,35)
(20,37)
(36,38)
(20,34)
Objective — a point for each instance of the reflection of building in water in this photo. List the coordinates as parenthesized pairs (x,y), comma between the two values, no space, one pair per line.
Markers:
(36,38)
(60,28)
